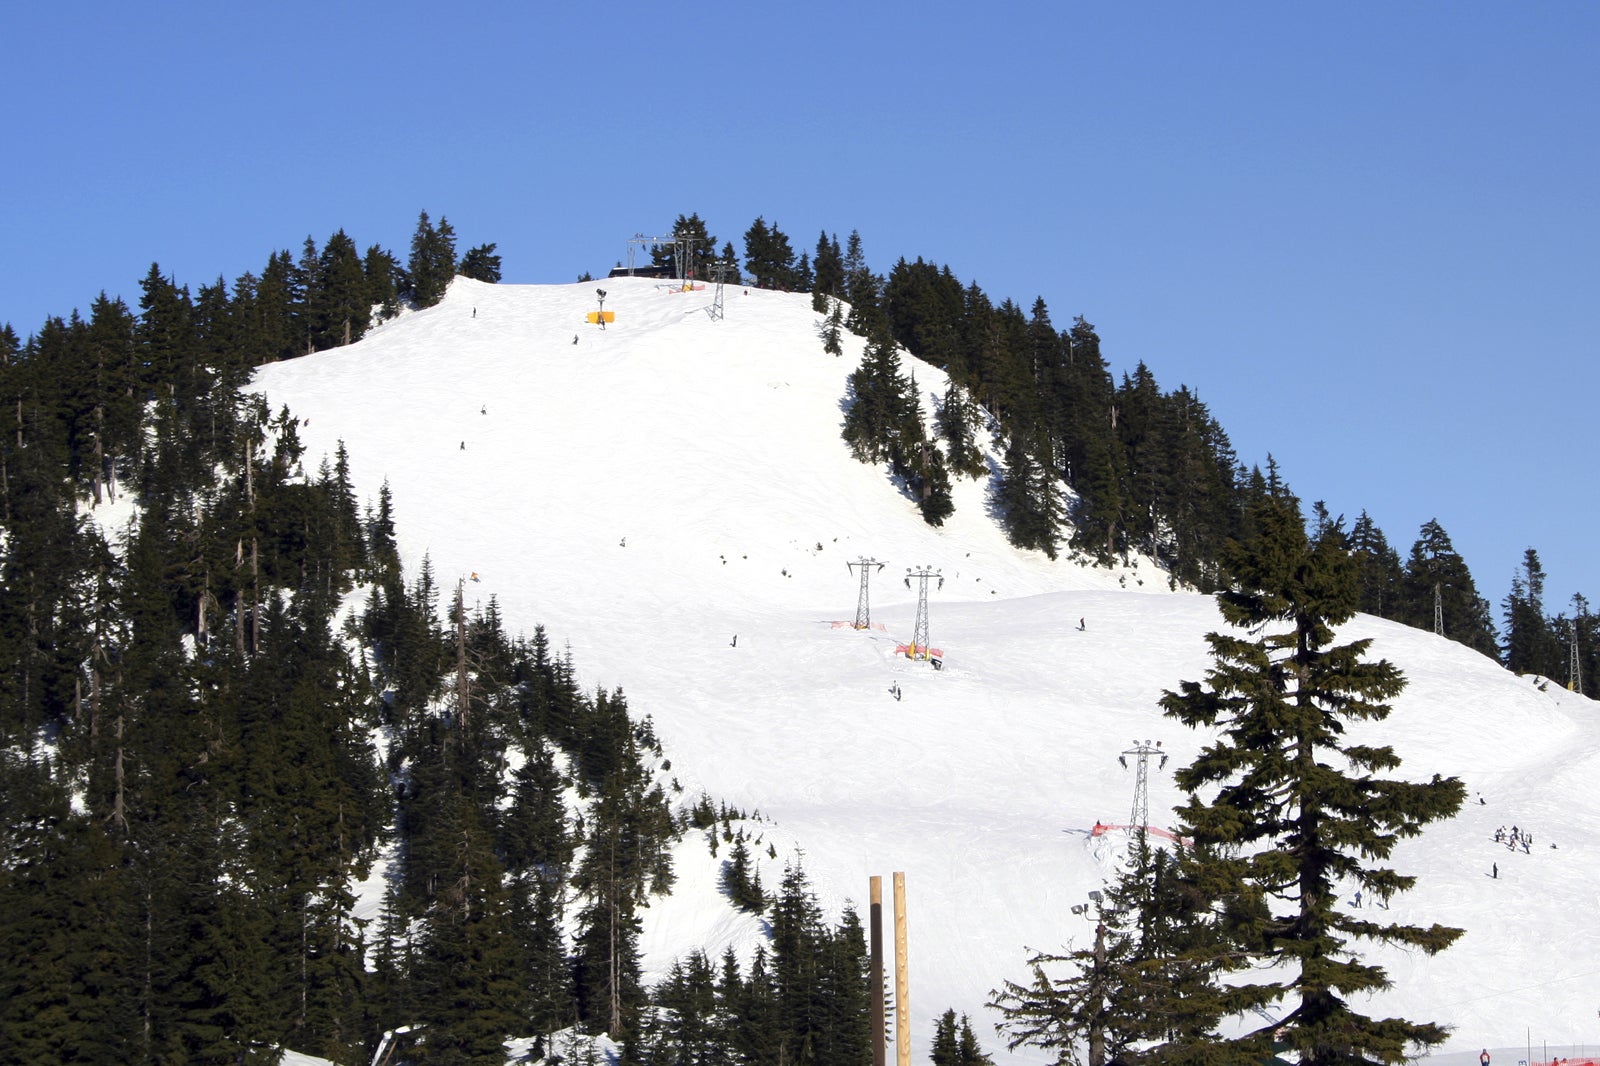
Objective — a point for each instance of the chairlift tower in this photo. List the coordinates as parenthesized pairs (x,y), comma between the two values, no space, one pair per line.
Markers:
(683,256)
(920,648)
(719,272)
(682,246)
(863,613)
(638,240)
(1142,750)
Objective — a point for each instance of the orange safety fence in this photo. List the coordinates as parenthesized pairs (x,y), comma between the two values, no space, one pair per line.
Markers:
(1101,828)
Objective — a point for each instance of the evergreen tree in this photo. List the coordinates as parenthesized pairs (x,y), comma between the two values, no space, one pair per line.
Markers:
(340,299)
(1434,569)
(1294,809)
(768,257)
(1030,499)
(956,1045)
(1378,571)
(833,329)
(433,260)
(959,422)
(481,264)
(863,291)
(827,274)
(1531,645)
(701,250)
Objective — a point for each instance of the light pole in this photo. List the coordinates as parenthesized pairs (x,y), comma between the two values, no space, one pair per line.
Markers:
(1095,998)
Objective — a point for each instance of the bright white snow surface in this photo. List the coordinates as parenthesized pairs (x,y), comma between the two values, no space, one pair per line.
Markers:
(674,481)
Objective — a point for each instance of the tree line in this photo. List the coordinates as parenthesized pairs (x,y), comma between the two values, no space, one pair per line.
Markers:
(222,716)
(1245,941)
(218,720)
(1104,468)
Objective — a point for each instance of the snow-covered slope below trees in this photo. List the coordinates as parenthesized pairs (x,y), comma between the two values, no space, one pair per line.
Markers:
(662,487)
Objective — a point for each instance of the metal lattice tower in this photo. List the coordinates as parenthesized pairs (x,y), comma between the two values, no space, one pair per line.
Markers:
(682,251)
(639,239)
(683,255)
(719,271)
(1438,609)
(863,613)
(920,647)
(1142,750)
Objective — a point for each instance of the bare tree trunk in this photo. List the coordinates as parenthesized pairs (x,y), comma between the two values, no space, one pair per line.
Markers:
(463,689)
(255,599)
(119,815)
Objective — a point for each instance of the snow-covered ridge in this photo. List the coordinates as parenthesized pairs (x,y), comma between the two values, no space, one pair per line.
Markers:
(661,487)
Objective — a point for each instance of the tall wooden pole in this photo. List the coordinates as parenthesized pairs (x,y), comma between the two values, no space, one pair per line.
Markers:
(902,977)
(880,1042)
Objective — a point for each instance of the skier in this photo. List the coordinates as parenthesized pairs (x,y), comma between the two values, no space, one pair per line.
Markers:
(1483,1058)
(1081,626)
(1358,898)
(1494,872)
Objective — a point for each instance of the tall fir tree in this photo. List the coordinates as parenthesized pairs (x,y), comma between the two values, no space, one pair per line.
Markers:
(1295,807)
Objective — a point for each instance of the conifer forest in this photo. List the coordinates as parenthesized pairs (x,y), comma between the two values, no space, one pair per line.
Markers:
(216,719)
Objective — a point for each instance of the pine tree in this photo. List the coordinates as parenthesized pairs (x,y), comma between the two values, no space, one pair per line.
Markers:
(701,248)
(433,260)
(340,299)
(1434,568)
(1531,645)
(481,264)
(1378,572)
(1294,810)
(827,274)
(1030,499)
(768,257)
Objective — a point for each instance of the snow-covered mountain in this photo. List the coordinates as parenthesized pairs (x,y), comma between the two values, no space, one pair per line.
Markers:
(670,496)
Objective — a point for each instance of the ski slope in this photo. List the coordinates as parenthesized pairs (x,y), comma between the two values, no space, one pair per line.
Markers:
(670,497)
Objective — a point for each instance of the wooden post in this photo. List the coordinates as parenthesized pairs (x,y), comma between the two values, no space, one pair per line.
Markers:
(875,973)
(902,977)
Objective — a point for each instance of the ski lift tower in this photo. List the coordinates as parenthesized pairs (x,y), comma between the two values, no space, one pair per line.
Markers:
(919,648)
(1142,750)
(863,614)
(683,255)
(638,240)
(719,272)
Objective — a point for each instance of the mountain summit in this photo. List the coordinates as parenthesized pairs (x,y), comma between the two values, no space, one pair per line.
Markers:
(671,496)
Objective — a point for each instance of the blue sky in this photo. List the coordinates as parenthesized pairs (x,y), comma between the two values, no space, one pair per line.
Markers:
(1368,235)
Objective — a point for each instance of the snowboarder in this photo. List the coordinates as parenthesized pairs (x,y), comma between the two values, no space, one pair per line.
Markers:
(894,690)
(735,643)
(1358,898)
